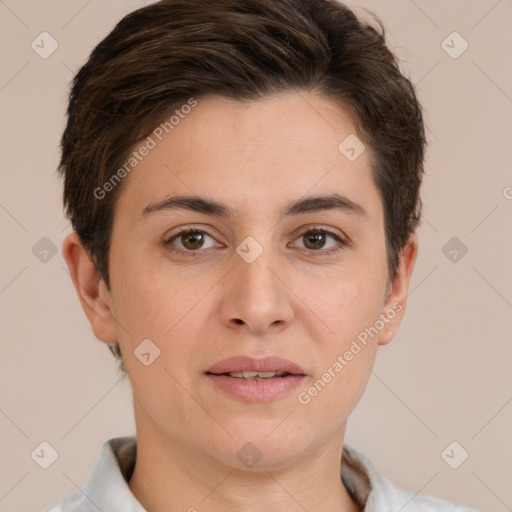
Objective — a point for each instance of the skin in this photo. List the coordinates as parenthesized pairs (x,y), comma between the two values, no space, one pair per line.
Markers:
(296,303)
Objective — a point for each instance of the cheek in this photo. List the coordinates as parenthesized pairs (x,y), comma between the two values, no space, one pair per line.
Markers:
(350,304)
(351,310)
(330,396)
(153,301)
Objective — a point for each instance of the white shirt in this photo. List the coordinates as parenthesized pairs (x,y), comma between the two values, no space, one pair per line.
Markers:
(107,488)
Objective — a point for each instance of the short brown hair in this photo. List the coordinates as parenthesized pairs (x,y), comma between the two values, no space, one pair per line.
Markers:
(158,57)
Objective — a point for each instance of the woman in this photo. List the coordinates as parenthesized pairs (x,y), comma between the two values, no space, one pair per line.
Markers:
(243,183)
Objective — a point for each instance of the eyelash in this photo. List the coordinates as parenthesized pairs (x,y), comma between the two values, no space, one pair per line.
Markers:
(312,229)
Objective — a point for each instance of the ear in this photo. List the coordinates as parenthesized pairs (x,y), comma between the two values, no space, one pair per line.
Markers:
(90,288)
(394,305)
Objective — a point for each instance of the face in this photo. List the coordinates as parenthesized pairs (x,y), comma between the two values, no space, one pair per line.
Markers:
(307,284)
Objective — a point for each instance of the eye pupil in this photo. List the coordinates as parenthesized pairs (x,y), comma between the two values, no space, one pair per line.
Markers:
(315,238)
(196,239)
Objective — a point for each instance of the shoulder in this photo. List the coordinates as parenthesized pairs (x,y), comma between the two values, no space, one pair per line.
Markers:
(106,487)
(380,495)
(75,502)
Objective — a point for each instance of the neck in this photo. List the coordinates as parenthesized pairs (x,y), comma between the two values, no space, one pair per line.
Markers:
(171,477)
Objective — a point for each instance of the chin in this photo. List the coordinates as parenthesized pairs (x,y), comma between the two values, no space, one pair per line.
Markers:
(260,447)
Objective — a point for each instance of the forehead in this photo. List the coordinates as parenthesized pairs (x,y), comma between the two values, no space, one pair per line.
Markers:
(253,154)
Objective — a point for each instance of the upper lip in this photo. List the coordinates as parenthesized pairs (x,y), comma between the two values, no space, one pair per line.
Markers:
(267,364)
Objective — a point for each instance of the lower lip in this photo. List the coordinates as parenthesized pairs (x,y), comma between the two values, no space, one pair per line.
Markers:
(262,390)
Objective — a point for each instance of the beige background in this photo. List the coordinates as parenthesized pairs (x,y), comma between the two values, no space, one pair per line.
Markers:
(446,376)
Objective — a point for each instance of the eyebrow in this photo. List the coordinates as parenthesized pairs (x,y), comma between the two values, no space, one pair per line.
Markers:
(211,207)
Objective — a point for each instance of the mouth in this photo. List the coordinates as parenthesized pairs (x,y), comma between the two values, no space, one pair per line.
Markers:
(249,367)
(247,375)
(256,380)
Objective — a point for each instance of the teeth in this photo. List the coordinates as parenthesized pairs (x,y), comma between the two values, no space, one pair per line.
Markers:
(253,375)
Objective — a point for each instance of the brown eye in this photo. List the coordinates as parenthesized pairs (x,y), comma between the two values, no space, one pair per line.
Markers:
(193,240)
(314,240)
(189,241)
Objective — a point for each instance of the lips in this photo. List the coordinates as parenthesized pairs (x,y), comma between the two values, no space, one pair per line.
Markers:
(256,380)
(238,364)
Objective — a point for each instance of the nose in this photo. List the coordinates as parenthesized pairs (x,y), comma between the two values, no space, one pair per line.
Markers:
(256,297)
